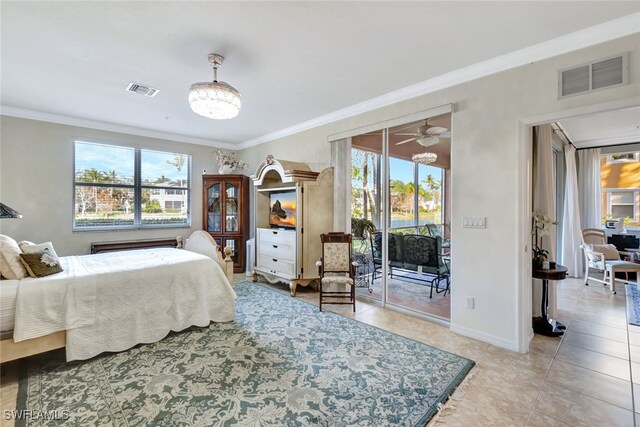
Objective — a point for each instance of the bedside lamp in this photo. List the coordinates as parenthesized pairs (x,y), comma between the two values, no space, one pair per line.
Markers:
(7,212)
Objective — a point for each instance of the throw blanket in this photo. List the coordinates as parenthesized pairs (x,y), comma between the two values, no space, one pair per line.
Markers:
(113,301)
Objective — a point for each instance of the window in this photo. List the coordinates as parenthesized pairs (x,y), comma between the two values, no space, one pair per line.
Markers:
(623,158)
(365,185)
(122,187)
(623,203)
(408,209)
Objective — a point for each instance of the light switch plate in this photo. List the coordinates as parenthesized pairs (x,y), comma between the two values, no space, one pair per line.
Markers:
(474,222)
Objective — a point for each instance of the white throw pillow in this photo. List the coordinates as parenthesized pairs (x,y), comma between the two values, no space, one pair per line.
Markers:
(610,252)
(28,247)
(10,265)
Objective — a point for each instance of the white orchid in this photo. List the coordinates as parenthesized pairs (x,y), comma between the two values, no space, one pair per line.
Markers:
(229,159)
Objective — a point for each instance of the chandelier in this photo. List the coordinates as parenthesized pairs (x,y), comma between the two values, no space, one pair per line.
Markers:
(215,100)
(424,158)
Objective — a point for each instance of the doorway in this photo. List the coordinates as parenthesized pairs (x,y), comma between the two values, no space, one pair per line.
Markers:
(400,215)
(589,113)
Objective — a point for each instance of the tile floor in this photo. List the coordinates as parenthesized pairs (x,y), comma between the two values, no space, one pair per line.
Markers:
(588,378)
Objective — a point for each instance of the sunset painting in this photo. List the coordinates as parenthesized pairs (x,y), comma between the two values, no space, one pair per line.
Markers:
(282,209)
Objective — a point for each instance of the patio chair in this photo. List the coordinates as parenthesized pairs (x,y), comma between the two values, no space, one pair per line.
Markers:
(605,258)
(336,267)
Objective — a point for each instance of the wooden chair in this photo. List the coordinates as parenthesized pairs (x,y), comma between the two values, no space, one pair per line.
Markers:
(336,267)
(605,259)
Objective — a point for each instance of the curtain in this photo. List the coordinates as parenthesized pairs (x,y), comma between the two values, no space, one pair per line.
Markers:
(341,162)
(544,200)
(590,188)
(571,254)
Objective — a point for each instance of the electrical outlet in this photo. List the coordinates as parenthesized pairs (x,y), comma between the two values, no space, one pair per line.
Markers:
(469,302)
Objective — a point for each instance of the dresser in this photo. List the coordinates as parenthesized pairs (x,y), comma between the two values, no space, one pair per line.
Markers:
(277,251)
(226,213)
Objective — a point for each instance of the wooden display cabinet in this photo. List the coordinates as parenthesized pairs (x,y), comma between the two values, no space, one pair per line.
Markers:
(226,213)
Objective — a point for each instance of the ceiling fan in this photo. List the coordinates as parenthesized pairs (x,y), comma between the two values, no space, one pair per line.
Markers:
(426,135)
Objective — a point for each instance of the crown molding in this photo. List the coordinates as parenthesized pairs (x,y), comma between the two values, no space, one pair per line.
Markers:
(109,127)
(597,34)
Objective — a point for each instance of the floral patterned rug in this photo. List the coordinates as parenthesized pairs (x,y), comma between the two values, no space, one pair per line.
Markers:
(281,363)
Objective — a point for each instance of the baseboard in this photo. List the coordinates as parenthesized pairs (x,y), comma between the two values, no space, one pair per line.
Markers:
(484,337)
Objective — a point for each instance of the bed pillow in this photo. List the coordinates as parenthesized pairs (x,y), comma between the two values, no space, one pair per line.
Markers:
(41,263)
(610,252)
(10,265)
(28,247)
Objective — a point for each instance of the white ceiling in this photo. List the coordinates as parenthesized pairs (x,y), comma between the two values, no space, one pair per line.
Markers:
(602,129)
(292,61)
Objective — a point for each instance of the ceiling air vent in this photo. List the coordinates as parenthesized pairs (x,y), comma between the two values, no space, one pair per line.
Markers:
(142,89)
(601,74)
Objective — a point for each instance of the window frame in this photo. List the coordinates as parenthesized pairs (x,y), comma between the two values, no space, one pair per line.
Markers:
(635,158)
(137,188)
(635,205)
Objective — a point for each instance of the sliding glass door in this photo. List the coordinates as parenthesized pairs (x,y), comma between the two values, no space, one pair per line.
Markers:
(366,212)
(399,215)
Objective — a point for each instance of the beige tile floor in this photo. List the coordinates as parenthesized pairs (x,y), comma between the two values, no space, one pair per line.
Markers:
(588,378)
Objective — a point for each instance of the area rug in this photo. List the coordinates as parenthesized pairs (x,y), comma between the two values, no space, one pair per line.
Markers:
(633,304)
(281,363)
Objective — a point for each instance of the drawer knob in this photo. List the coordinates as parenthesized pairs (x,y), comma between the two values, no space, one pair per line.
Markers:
(274,260)
(274,232)
(275,246)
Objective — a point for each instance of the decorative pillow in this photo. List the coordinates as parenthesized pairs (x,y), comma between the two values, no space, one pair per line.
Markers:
(30,247)
(610,252)
(10,265)
(41,263)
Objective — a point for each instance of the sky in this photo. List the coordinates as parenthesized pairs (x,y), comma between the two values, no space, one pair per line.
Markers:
(121,159)
(403,170)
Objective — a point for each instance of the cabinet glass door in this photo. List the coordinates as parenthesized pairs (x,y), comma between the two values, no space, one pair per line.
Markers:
(231,223)
(235,246)
(214,208)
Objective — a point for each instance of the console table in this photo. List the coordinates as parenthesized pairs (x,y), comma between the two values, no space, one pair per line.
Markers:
(544,325)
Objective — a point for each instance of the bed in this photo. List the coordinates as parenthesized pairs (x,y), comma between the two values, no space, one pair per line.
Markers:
(113,301)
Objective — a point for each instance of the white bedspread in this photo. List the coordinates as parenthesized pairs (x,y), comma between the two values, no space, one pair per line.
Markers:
(113,301)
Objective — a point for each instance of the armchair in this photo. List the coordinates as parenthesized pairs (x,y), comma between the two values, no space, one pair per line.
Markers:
(336,267)
(604,258)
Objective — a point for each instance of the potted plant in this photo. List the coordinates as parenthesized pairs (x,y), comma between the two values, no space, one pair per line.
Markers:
(361,227)
(228,162)
(540,228)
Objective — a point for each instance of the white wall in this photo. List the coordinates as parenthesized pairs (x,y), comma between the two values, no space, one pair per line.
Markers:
(485,173)
(36,179)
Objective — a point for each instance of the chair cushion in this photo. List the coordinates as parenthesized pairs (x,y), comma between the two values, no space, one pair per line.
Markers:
(336,256)
(343,280)
(623,266)
(610,252)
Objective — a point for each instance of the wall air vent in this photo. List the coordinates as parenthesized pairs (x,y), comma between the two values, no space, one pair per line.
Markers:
(142,89)
(601,74)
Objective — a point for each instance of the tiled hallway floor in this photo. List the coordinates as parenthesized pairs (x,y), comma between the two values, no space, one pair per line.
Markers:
(588,378)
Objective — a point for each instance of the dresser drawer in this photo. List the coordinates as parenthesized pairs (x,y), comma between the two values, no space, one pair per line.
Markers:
(275,265)
(281,252)
(277,237)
